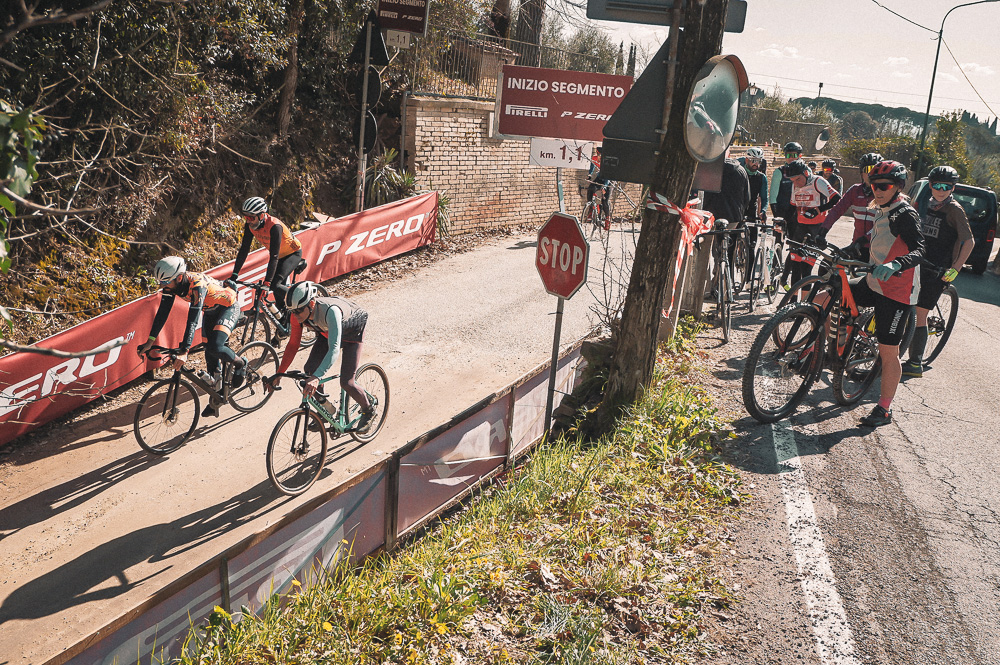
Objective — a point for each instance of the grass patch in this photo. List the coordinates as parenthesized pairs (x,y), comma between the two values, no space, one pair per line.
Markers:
(590,552)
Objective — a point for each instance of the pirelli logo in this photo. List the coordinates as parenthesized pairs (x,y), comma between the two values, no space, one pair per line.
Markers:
(527,111)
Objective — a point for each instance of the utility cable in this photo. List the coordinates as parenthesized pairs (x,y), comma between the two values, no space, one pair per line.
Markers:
(904,18)
(967,78)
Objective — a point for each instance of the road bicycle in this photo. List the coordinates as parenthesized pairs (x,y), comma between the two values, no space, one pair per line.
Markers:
(168,413)
(262,322)
(764,270)
(296,451)
(593,216)
(722,281)
(940,321)
(790,350)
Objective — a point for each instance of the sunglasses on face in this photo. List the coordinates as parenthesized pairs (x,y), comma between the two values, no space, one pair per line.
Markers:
(792,155)
(942,186)
(882,186)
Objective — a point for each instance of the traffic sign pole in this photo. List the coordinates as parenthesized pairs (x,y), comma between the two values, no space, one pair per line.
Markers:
(555,364)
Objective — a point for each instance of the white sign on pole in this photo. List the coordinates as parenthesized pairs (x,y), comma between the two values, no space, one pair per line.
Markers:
(397,38)
(561,153)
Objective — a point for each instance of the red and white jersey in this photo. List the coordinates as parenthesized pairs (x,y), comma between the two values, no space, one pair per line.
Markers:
(813,194)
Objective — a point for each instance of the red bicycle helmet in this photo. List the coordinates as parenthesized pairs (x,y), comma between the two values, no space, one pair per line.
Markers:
(888,170)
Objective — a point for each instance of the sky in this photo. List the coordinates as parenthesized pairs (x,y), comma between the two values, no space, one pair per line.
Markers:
(861,52)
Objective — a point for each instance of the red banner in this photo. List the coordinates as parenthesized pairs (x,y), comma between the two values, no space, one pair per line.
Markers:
(558,104)
(37,389)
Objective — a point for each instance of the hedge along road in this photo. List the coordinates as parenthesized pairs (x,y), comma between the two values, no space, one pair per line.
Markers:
(90,525)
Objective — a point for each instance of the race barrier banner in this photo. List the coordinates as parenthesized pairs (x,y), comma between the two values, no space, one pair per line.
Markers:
(35,389)
(367,513)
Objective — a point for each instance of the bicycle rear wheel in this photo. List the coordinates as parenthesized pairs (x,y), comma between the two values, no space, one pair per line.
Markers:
(861,366)
(590,219)
(373,380)
(262,360)
(254,327)
(774,267)
(783,363)
(166,416)
(741,264)
(296,452)
(940,322)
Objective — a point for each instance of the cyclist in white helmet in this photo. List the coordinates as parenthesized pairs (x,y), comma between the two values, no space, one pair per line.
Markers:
(209,300)
(340,327)
(284,248)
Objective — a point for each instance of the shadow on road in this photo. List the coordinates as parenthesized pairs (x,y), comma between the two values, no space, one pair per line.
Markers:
(983,288)
(101,573)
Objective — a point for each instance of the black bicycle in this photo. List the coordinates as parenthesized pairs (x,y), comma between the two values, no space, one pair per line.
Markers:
(722,281)
(764,269)
(262,322)
(168,413)
(941,321)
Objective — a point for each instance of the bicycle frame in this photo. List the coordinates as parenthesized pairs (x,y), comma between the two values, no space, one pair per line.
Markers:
(215,397)
(338,422)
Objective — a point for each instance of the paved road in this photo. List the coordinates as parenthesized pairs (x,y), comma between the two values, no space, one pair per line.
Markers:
(875,547)
(90,525)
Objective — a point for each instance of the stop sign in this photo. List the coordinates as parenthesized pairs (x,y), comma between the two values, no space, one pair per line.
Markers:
(562,255)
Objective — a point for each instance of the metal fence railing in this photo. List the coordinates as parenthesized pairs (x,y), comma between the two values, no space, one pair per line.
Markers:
(453,64)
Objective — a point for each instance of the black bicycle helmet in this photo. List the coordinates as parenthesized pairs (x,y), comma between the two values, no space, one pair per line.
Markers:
(871,159)
(798,167)
(888,170)
(829,163)
(943,174)
(792,146)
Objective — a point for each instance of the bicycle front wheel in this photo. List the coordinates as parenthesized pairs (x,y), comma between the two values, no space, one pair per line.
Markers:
(861,366)
(262,360)
(774,267)
(725,301)
(783,363)
(296,451)
(254,328)
(166,416)
(372,379)
(800,291)
(940,322)
(741,264)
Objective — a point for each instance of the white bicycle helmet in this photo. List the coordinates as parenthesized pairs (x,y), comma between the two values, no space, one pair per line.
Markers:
(167,268)
(300,295)
(254,205)
(755,153)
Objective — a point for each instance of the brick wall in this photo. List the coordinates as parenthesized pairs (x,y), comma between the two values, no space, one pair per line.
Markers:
(450,147)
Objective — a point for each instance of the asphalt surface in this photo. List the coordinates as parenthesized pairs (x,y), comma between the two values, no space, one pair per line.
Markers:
(900,563)
(90,525)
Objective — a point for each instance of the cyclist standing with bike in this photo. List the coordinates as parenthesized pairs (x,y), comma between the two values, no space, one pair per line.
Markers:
(812,196)
(897,247)
(209,300)
(780,197)
(857,199)
(948,239)
(285,252)
(340,326)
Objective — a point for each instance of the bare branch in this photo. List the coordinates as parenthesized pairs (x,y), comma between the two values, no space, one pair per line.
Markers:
(41,350)
(243,156)
(29,20)
(45,210)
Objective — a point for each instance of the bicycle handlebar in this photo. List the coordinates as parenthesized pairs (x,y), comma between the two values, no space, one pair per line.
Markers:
(835,255)
(296,375)
(172,352)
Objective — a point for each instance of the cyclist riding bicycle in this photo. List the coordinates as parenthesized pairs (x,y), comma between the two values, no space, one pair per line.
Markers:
(284,249)
(896,248)
(595,181)
(857,199)
(948,240)
(340,326)
(812,196)
(209,300)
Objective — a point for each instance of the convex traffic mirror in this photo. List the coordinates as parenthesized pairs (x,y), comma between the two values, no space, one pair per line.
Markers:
(713,106)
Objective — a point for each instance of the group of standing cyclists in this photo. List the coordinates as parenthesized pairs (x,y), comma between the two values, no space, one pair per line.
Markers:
(338,323)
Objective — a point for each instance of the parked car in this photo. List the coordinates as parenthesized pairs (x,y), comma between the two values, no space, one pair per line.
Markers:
(980,207)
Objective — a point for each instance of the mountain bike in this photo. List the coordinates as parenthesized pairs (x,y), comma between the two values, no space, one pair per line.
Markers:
(764,270)
(788,353)
(168,413)
(296,451)
(722,282)
(262,322)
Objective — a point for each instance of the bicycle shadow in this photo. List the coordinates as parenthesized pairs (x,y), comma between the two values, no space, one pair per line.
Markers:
(101,573)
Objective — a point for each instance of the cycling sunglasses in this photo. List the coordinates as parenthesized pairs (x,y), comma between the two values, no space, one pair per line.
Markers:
(792,155)
(882,186)
(942,186)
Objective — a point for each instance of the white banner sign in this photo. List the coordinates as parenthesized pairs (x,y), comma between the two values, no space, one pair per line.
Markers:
(565,153)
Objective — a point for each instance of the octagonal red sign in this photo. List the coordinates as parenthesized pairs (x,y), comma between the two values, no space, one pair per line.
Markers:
(562,255)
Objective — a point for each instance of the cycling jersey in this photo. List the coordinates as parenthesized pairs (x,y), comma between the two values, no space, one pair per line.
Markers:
(203,293)
(780,196)
(758,186)
(338,320)
(275,236)
(944,225)
(857,199)
(814,194)
(896,237)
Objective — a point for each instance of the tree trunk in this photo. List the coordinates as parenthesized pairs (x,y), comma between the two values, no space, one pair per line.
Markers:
(500,19)
(529,30)
(653,267)
(295,12)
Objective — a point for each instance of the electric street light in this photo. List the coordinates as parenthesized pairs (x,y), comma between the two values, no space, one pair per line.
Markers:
(927,114)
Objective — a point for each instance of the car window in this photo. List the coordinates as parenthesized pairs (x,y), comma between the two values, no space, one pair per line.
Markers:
(977,207)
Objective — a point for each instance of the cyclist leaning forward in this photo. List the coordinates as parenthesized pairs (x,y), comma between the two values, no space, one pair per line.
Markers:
(812,196)
(210,301)
(340,325)
(897,248)
(284,249)
(948,239)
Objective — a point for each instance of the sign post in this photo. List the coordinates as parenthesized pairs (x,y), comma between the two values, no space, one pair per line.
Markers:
(561,258)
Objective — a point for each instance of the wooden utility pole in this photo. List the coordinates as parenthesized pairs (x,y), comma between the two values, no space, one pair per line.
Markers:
(634,358)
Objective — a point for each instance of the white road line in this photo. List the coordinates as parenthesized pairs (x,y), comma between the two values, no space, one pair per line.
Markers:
(834,640)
